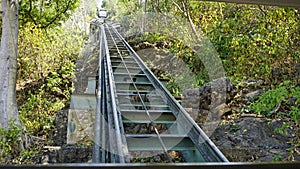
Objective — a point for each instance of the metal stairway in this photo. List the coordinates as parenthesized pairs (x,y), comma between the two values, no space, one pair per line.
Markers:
(132,97)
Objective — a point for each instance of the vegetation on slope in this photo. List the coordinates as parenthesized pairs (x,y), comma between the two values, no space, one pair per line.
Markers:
(253,42)
(48,48)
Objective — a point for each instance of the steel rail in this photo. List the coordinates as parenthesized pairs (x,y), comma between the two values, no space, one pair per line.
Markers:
(118,117)
(143,104)
(119,143)
(111,145)
(103,118)
(197,135)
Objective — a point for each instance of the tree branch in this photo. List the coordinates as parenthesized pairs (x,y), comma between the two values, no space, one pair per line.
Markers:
(57,16)
(30,16)
(177,6)
(264,12)
(276,108)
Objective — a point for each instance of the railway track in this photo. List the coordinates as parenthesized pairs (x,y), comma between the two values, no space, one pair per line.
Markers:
(137,119)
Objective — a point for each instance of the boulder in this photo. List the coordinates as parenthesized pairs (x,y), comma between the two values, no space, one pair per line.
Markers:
(209,103)
(252,139)
(210,95)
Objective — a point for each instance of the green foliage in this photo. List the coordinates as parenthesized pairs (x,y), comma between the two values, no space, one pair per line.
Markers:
(9,142)
(269,100)
(251,40)
(179,50)
(26,156)
(283,129)
(38,112)
(233,127)
(11,151)
(274,98)
(41,53)
(246,36)
(270,103)
(277,103)
(46,70)
(277,158)
(46,14)
(173,87)
(295,113)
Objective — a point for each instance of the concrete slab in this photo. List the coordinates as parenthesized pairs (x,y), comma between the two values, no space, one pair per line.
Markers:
(83,101)
(80,126)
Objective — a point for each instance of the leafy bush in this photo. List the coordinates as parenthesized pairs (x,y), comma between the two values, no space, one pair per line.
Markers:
(41,52)
(175,48)
(295,113)
(273,99)
(267,102)
(252,40)
(11,149)
(38,112)
(46,69)
(9,142)
(283,103)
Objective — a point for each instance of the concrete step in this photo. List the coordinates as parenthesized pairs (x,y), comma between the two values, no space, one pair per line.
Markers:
(83,101)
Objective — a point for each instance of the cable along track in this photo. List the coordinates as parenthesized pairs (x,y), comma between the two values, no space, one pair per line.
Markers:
(137,119)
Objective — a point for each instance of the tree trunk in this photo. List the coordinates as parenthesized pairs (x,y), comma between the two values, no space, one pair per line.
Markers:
(186,12)
(8,62)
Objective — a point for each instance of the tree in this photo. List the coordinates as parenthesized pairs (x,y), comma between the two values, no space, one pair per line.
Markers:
(46,13)
(8,62)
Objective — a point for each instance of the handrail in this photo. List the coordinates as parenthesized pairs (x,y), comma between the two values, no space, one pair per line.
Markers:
(285,3)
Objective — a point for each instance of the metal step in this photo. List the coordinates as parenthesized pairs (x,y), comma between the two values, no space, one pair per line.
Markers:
(158,117)
(130,78)
(173,143)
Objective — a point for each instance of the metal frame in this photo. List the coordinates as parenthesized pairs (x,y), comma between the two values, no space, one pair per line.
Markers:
(114,148)
(286,3)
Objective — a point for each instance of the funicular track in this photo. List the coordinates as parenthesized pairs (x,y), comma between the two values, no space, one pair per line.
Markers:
(137,118)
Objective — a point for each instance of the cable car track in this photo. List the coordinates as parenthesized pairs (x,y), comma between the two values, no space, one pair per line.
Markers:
(136,117)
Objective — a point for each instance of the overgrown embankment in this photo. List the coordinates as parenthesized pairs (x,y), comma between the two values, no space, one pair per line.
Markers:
(259,47)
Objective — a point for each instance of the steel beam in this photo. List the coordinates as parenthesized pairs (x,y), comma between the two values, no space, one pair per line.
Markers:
(285,3)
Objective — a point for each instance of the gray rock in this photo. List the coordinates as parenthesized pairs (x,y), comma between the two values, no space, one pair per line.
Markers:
(210,95)
(254,141)
(252,84)
(59,134)
(253,94)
